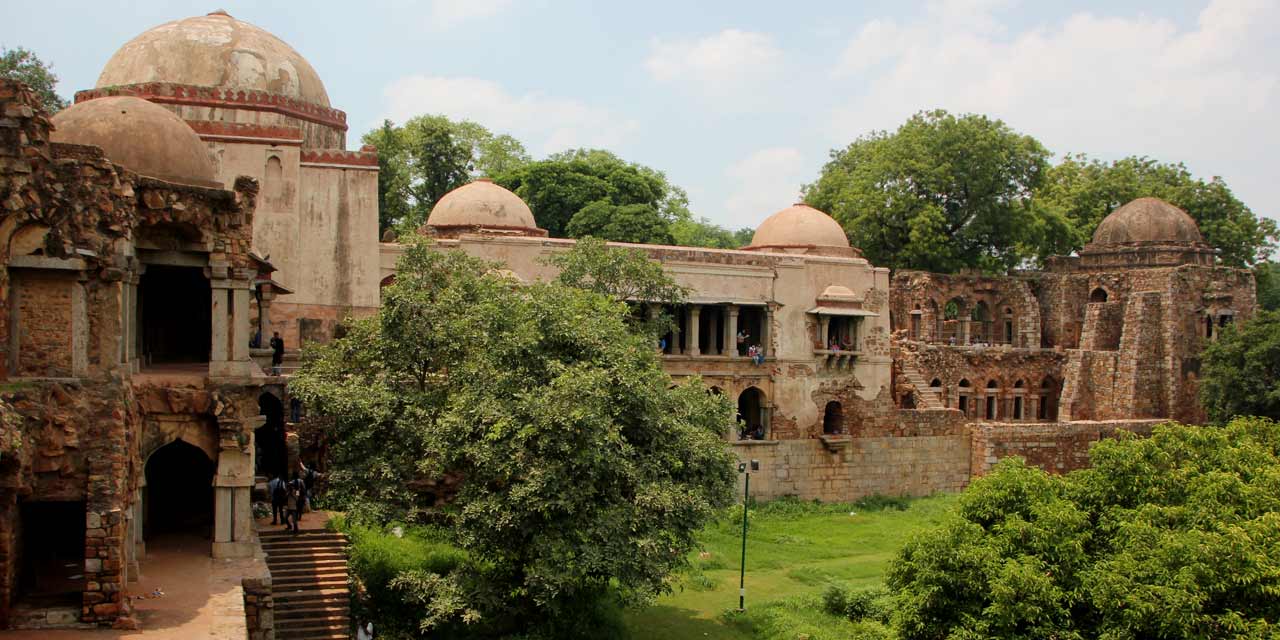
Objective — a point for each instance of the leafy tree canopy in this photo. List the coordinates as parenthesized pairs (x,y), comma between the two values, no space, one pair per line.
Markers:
(429,156)
(21,64)
(622,274)
(1176,536)
(1267,276)
(703,233)
(575,468)
(559,188)
(1085,191)
(1240,371)
(941,193)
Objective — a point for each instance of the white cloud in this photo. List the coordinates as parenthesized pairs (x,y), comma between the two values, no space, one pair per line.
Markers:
(446,14)
(716,65)
(762,183)
(1108,86)
(546,124)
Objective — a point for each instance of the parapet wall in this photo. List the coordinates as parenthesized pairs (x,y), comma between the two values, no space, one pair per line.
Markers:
(1056,447)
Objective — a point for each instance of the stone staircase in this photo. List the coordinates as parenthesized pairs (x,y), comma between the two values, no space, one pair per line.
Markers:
(309,583)
(926,396)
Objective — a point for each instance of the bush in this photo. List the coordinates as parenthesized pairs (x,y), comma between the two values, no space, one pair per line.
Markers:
(858,604)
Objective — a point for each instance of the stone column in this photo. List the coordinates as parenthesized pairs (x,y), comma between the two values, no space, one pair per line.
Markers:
(131,343)
(240,322)
(218,347)
(695,312)
(765,334)
(126,295)
(233,516)
(824,325)
(264,314)
(675,338)
(964,331)
(731,330)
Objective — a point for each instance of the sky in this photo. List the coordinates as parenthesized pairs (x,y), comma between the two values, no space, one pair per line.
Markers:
(741,102)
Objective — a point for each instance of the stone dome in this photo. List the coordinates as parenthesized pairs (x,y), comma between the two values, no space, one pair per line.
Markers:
(215,50)
(143,137)
(798,226)
(481,204)
(1147,220)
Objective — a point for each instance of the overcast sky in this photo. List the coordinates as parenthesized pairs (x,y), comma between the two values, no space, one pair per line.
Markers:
(740,102)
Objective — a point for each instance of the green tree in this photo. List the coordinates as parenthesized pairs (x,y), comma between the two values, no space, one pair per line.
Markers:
(1240,371)
(429,156)
(1085,191)
(1175,536)
(1267,277)
(941,193)
(577,469)
(703,233)
(21,64)
(624,274)
(558,188)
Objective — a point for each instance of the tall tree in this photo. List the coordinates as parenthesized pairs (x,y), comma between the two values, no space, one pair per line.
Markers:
(429,156)
(566,183)
(1267,277)
(703,233)
(942,193)
(22,64)
(578,469)
(1175,536)
(1085,190)
(1240,374)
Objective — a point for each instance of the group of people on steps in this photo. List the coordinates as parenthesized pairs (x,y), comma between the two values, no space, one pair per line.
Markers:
(291,498)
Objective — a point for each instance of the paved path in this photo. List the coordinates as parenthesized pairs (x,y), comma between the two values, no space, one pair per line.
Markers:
(202,598)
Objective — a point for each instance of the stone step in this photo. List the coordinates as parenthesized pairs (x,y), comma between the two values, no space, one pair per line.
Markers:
(306,562)
(305,533)
(300,559)
(316,612)
(272,546)
(310,597)
(330,604)
(298,617)
(308,572)
(310,582)
(313,631)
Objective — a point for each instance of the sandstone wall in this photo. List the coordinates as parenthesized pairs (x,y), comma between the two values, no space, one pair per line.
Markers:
(1057,447)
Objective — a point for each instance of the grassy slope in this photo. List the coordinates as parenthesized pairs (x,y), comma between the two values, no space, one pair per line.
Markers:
(793,552)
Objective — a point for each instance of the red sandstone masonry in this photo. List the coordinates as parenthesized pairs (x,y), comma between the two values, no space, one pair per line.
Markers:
(172,93)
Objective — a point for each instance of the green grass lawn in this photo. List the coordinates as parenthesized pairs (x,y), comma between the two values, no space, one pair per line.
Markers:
(794,550)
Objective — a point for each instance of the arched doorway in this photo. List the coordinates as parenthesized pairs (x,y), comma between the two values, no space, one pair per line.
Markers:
(751,414)
(272,457)
(1098,295)
(179,491)
(833,419)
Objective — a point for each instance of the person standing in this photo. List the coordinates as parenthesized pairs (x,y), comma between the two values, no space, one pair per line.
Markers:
(279,499)
(277,353)
(297,498)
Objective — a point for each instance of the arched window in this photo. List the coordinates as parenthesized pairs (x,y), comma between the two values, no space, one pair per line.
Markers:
(980,330)
(962,401)
(1018,388)
(1050,390)
(274,178)
(833,419)
(1098,295)
(751,414)
(951,313)
(1008,326)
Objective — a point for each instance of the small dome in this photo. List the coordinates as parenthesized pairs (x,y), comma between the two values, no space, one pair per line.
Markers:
(215,50)
(481,204)
(837,292)
(143,137)
(799,225)
(1147,220)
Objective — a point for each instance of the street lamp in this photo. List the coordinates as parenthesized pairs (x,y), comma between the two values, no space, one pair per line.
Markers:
(746,495)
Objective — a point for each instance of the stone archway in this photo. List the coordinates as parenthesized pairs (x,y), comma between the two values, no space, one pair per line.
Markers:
(751,414)
(273,455)
(833,419)
(179,491)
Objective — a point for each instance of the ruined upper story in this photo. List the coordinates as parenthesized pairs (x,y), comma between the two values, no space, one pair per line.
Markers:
(80,231)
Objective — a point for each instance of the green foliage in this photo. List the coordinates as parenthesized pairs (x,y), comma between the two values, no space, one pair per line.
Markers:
(1086,190)
(941,193)
(688,232)
(873,603)
(1172,536)
(623,274)
(568,184)
(1240,371)
(579,473)
(429,156)
(21,64)
(1267,276)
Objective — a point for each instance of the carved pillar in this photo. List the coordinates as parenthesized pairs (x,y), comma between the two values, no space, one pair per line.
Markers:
(765,334)
(233,516)
(79,328)
(240,322)
(964,331)
(731,330)
(824,325)
(218,328)
(264,314)
(695,311)
(131,343)
(676,338)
